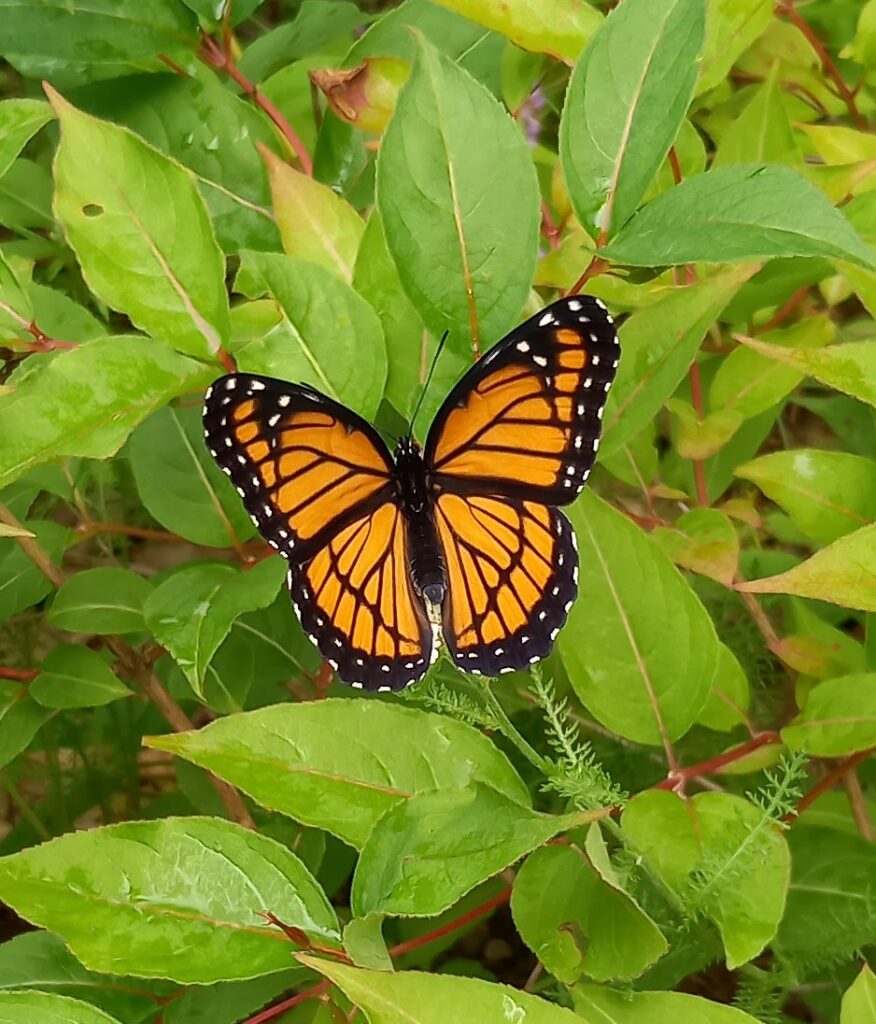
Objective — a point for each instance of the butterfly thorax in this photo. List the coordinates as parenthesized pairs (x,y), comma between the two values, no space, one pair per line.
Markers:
(417,503)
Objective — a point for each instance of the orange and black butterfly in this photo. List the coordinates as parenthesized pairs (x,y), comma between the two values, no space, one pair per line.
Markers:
(464,537)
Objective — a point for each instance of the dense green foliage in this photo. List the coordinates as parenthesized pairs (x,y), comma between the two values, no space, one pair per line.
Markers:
(672,818)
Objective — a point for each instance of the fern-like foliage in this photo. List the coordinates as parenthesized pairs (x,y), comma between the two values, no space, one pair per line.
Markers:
(762,993)
(725,862)
(575,772)
(436,695)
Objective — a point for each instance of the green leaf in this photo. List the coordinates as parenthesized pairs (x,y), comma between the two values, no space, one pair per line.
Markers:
(20,120)
(73,676)
(642,675)
(192,611)
(831,884)
(316,224)
(418,998)
(48,1008)
(859,999)
(329,336)
(587,926)
(738,213)
(22,584)
(731,27)
(364,943)
(20,720)
(826,494)
(86,401)
(556,27)
(180,484)
(288,758)
(96,31)
(600,1005)
(703,540)
(180,898)
(729,697)
(718,852)
(850,368)
(104,600)
(843,573)
(437,181)
(202,124)
(141,232)
(626,103)
(762,133)
(746,384)
(838,718)
(658,345)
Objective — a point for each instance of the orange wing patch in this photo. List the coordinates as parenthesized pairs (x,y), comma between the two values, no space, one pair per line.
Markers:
(512,576)
(356,602)
(525,421)
(303,465)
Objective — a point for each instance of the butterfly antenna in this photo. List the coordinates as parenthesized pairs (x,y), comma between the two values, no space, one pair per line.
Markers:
(426,383)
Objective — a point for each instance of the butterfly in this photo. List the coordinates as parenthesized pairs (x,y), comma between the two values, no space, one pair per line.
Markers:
(462,537)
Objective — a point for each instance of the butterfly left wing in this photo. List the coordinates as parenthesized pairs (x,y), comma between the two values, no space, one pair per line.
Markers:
(512,575)
(525,421)
(317,481)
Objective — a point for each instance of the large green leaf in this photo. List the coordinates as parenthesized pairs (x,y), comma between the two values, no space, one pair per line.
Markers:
(426,853)
(738,213)
(601,1005)
(49,1008)
(464,238)
(328,337)
(86,401)
(201,123)
(180,484)
(20,720)
(762,133)
(108,599)
(23,583)
(731,27)
(588,926)
(192,611)
(96,31)
(419,998)
(839,717)
(831,885)
(850,368)
(289,758)
(181,898)
(72,676)
(557,27)
(626,102)
(141,232)
(658,345)
(826,494)
(859,1000)
(19,121)
(843,573)
(641,674)
(315,223)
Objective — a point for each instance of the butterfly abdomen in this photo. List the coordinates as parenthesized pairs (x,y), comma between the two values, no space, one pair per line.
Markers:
(428,572)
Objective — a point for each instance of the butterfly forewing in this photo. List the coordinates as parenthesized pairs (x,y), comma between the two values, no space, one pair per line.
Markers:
(525,421)
(317,481)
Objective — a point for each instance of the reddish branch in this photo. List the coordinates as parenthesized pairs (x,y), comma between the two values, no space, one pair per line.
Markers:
(785,310)
(219,57)
(834,776)
(675,780)
(21,675)
(786,9)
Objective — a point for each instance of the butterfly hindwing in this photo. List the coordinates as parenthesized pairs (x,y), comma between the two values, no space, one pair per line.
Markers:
(302,463)
(512,575)
(356,602)
(525,421)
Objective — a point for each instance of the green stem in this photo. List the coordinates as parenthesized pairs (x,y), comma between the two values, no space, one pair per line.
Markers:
(511,733)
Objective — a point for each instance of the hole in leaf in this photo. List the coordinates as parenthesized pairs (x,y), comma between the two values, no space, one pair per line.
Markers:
(92,210)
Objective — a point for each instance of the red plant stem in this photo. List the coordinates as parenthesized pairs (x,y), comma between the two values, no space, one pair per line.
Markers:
(548,228)
(785,310)
(786,8)
(596,266)
(21,675)
(460,922)
(227,360)
(834,776)
(84,533)
(762,739)
(398,950)
(219,58)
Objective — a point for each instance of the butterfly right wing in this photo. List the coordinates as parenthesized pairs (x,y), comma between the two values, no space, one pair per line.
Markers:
(317,481)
